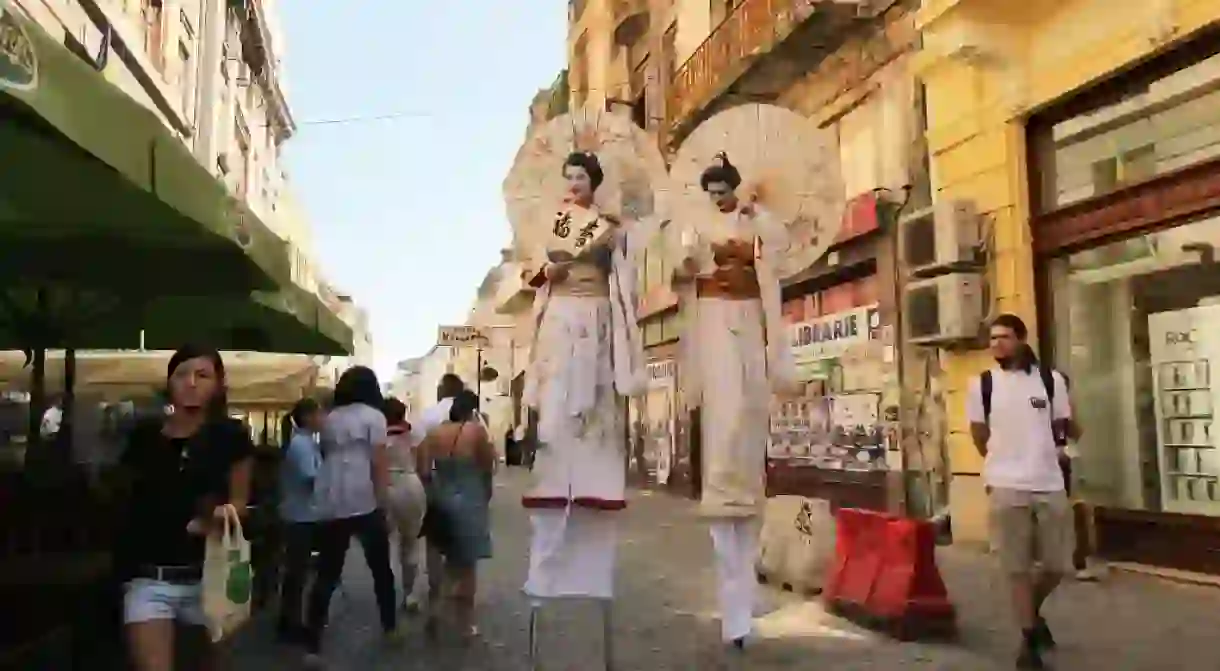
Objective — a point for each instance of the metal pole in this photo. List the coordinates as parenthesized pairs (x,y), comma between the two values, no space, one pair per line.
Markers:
(478,375)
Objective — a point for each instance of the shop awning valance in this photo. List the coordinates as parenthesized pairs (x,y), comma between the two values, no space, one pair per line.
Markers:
(289,320)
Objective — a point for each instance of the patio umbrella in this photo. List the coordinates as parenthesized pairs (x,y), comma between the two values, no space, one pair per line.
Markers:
(250,377)
(788,165)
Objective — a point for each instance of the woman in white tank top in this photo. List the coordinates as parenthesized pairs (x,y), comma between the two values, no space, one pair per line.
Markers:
(407,500)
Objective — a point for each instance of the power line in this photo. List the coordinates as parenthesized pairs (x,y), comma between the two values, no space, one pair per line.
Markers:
(363,119)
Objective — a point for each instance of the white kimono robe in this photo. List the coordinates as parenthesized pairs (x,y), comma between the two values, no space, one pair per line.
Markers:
(735,353)
(740,350)
(587,354)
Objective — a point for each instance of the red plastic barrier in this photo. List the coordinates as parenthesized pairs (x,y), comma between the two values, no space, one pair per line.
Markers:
(859,538)
(909,582)
(885,571)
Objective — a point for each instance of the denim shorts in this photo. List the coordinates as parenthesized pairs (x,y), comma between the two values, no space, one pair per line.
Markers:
(145,600)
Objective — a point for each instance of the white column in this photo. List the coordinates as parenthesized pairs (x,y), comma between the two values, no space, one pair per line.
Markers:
(209,122)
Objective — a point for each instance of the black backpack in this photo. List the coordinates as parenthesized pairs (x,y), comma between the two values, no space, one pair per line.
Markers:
(1048,381)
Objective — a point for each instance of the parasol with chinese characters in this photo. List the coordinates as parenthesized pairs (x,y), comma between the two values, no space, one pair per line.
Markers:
(788,166)
(535,189)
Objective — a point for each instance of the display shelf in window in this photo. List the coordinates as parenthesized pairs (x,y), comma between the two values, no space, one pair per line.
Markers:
(1182,346)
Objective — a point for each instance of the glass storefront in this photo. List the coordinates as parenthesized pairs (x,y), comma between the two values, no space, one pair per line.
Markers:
(1155,128)
(1136,325)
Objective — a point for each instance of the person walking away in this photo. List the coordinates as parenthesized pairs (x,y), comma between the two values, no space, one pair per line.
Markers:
(457,461)
(1067,456)
(181,471)
(352,490)
(450,385)
(407,500)
(1015,411)
(298,512)
(512,453)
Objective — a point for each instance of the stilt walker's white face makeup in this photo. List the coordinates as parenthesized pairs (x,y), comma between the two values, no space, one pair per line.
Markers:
(580,186)
(723,196)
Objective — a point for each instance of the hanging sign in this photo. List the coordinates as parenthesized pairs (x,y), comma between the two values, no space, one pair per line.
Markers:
(460,336)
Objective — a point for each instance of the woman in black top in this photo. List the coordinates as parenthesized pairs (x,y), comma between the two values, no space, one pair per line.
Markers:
(183,469)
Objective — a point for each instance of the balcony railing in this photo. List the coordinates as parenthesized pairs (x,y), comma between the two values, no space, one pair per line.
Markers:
(752,28)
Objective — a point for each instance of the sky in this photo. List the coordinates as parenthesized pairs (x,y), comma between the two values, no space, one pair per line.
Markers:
(407,213)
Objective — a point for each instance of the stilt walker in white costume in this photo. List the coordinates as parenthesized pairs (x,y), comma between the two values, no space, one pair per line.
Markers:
(587,352)
(736,350)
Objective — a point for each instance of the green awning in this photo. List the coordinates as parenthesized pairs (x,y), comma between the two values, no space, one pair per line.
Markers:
(68,113)
(291,320)
(65,217)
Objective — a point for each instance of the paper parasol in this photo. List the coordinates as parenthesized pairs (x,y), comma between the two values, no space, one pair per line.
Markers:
(787,164)
(534,189)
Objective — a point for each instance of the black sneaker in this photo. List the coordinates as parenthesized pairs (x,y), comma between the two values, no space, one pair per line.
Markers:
(1029,658)
(1041,635)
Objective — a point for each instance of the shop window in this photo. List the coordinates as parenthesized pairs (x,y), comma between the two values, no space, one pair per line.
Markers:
(858,149)
(152,21)
(1136,327)
(1170,123)
(186,66)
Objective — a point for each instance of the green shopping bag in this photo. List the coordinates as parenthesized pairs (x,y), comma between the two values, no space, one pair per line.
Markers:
(228,579)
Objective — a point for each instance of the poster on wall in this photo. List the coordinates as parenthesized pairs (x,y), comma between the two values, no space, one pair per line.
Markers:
(828,427)
(1184,350)
(653,429)
(840,432)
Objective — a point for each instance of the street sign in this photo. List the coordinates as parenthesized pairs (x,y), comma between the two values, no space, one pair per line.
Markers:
(460,336)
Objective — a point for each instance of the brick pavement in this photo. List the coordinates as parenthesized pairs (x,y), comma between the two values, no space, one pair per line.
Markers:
(665,616)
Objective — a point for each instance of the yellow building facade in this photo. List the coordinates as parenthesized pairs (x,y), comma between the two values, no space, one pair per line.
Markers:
(989,67)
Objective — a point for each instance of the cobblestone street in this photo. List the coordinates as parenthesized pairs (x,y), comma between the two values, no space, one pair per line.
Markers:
(665,616)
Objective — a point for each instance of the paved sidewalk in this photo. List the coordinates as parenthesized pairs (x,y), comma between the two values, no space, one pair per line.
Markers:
(665,616)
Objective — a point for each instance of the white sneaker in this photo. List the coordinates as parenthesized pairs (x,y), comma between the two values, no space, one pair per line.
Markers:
(1092,572)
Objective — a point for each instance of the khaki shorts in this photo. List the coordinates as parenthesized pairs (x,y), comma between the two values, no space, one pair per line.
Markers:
(1029,527)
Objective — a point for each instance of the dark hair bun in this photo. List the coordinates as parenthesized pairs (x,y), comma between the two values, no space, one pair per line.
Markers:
(587,161)
(721,170)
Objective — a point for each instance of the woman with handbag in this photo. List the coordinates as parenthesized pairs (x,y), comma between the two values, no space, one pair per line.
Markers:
(456,462)
(185,470)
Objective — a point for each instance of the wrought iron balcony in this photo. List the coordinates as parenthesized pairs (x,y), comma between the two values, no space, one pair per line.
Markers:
(753,30)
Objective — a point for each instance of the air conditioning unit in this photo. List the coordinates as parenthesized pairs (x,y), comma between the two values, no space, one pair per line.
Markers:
(944,309)
(945,237)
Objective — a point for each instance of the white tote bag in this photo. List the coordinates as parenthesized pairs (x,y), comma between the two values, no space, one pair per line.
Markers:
(228,578)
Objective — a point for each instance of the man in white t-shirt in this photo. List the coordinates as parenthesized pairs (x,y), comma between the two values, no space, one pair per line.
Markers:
(1015,410)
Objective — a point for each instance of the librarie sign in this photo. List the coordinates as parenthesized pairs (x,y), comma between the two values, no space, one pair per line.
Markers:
(460,336)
